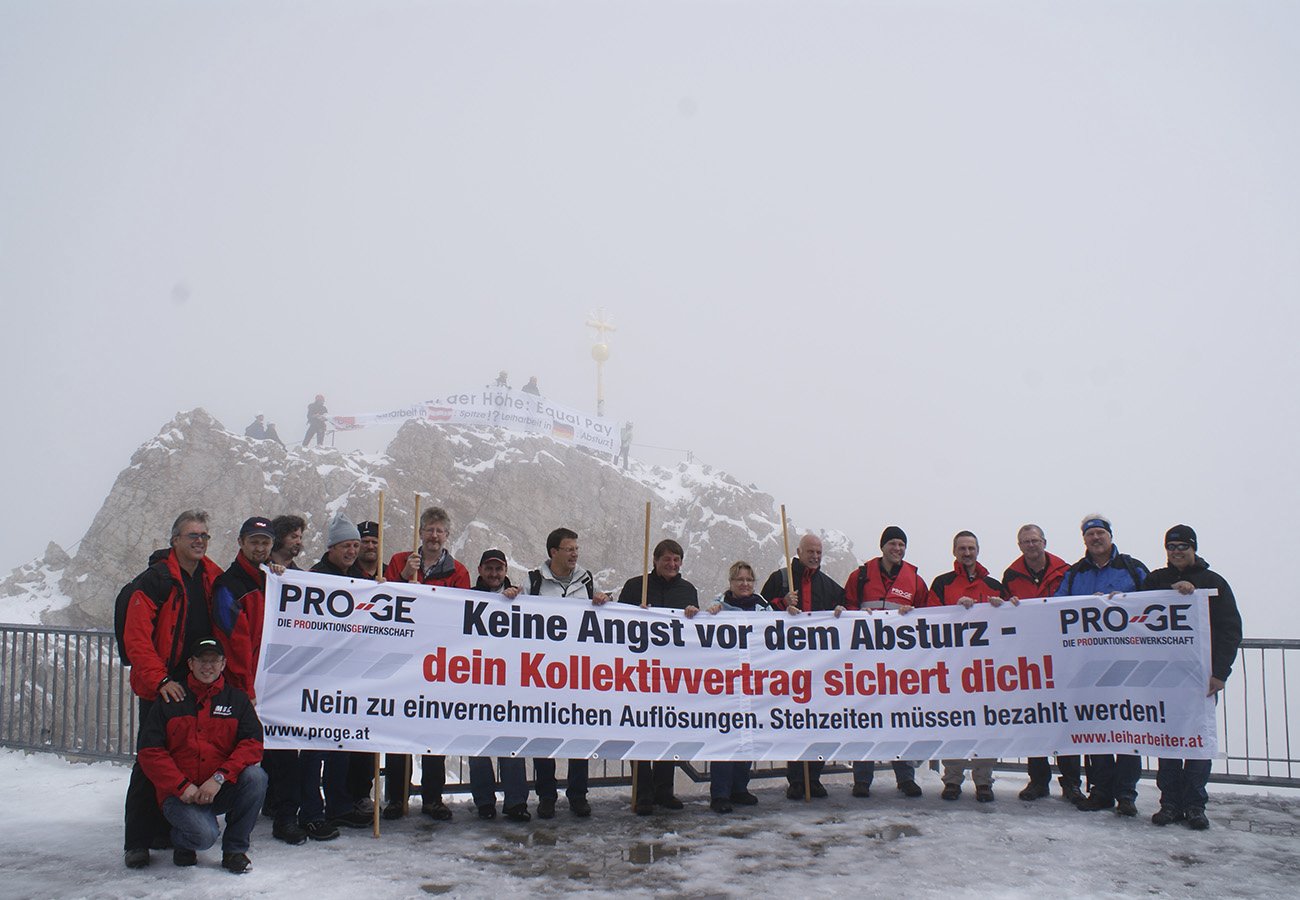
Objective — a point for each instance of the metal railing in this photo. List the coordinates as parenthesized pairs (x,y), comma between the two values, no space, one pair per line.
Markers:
(63,690)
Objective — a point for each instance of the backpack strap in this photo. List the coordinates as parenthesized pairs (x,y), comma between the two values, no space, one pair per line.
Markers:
(590,583)
(534,581)
(862,582)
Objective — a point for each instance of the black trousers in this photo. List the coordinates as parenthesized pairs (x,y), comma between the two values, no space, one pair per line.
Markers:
(143,816)
(1040,770)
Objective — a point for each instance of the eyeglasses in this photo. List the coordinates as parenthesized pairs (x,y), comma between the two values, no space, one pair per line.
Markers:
(743,580)
(197,536)
(1177,547)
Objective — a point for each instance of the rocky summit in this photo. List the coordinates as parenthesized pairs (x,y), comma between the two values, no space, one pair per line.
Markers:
(501,489)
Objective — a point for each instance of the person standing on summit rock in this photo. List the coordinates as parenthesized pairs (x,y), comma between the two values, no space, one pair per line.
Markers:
(316,413)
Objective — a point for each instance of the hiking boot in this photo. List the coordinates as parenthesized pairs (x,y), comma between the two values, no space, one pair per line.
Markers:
(668,801)
(909,788)
(1094,803)
(546,808)
(861,790)
(182,857)
(818,790)
(352,819)
(136,858)
(984,793)
(950,792)
(720,805)
(1196,820)
(435,809)
(1126,807)
(1070,793)
(744,798)
(487,811)
(1166,815)
(394,810)
(289,832)
(794,792)
(579,807)
(643,807)
(365,806)
(238,863)
(517,813)
(1034,790)
(320,830)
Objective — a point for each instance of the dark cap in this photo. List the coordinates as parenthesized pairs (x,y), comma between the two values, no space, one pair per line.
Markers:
(893,532)
(257,525)
(206,645)
(1182,534)
(489,555)
(368,529)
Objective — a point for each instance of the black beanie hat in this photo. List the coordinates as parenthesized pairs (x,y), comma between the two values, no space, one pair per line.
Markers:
(1181,533)
(893,532)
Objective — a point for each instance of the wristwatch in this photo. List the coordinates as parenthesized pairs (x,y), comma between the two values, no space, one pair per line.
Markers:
(218,778)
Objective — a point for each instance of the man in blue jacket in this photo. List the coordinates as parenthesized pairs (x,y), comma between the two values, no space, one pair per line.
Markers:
(1112,780)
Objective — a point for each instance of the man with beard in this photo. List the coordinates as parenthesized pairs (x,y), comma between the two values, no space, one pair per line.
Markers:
(238,607)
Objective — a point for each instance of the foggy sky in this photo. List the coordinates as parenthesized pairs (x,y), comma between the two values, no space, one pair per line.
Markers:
(945,265)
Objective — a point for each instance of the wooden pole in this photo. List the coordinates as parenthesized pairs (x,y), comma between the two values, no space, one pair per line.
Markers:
(416,528)
(789,580)
(645,603)
(379,574)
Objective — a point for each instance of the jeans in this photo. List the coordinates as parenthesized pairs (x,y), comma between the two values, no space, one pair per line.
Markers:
(1040,770)
(794,772)
(546,785)
(865,770)
(1182,783)
(726,779)
(194,826)
(335,781)
(483,784)
(1114,777)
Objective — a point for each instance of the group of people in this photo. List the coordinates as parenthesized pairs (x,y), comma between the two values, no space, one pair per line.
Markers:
(193,633)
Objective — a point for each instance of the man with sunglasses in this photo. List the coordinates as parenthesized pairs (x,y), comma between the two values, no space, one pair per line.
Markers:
(1182,781)
(170,610)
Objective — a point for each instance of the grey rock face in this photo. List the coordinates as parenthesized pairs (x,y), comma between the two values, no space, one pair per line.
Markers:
(502,490)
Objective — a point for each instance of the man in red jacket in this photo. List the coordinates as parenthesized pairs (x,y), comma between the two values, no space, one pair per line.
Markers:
(1037,574)
(886,582)
(431,564)
(201,753)
(170,609)
(967,584)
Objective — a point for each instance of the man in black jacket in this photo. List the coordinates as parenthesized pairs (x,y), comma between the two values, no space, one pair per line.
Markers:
(665,587)
(1182,781)
(813,591)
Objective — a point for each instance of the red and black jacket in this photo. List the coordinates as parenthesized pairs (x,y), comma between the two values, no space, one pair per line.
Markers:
(817,590)
(1018,581)
(458,577)
(238,611)
(870,587)
(154,633)
(213,729)
(950,587)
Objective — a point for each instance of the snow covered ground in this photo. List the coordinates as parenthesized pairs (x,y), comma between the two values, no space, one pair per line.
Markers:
(62,837)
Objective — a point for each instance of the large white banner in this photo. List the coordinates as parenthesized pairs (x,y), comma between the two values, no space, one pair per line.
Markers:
(355,665)
(501,408)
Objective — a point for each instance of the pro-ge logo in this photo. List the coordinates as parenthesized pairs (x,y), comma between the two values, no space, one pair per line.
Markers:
(340,604)
(1156,617)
